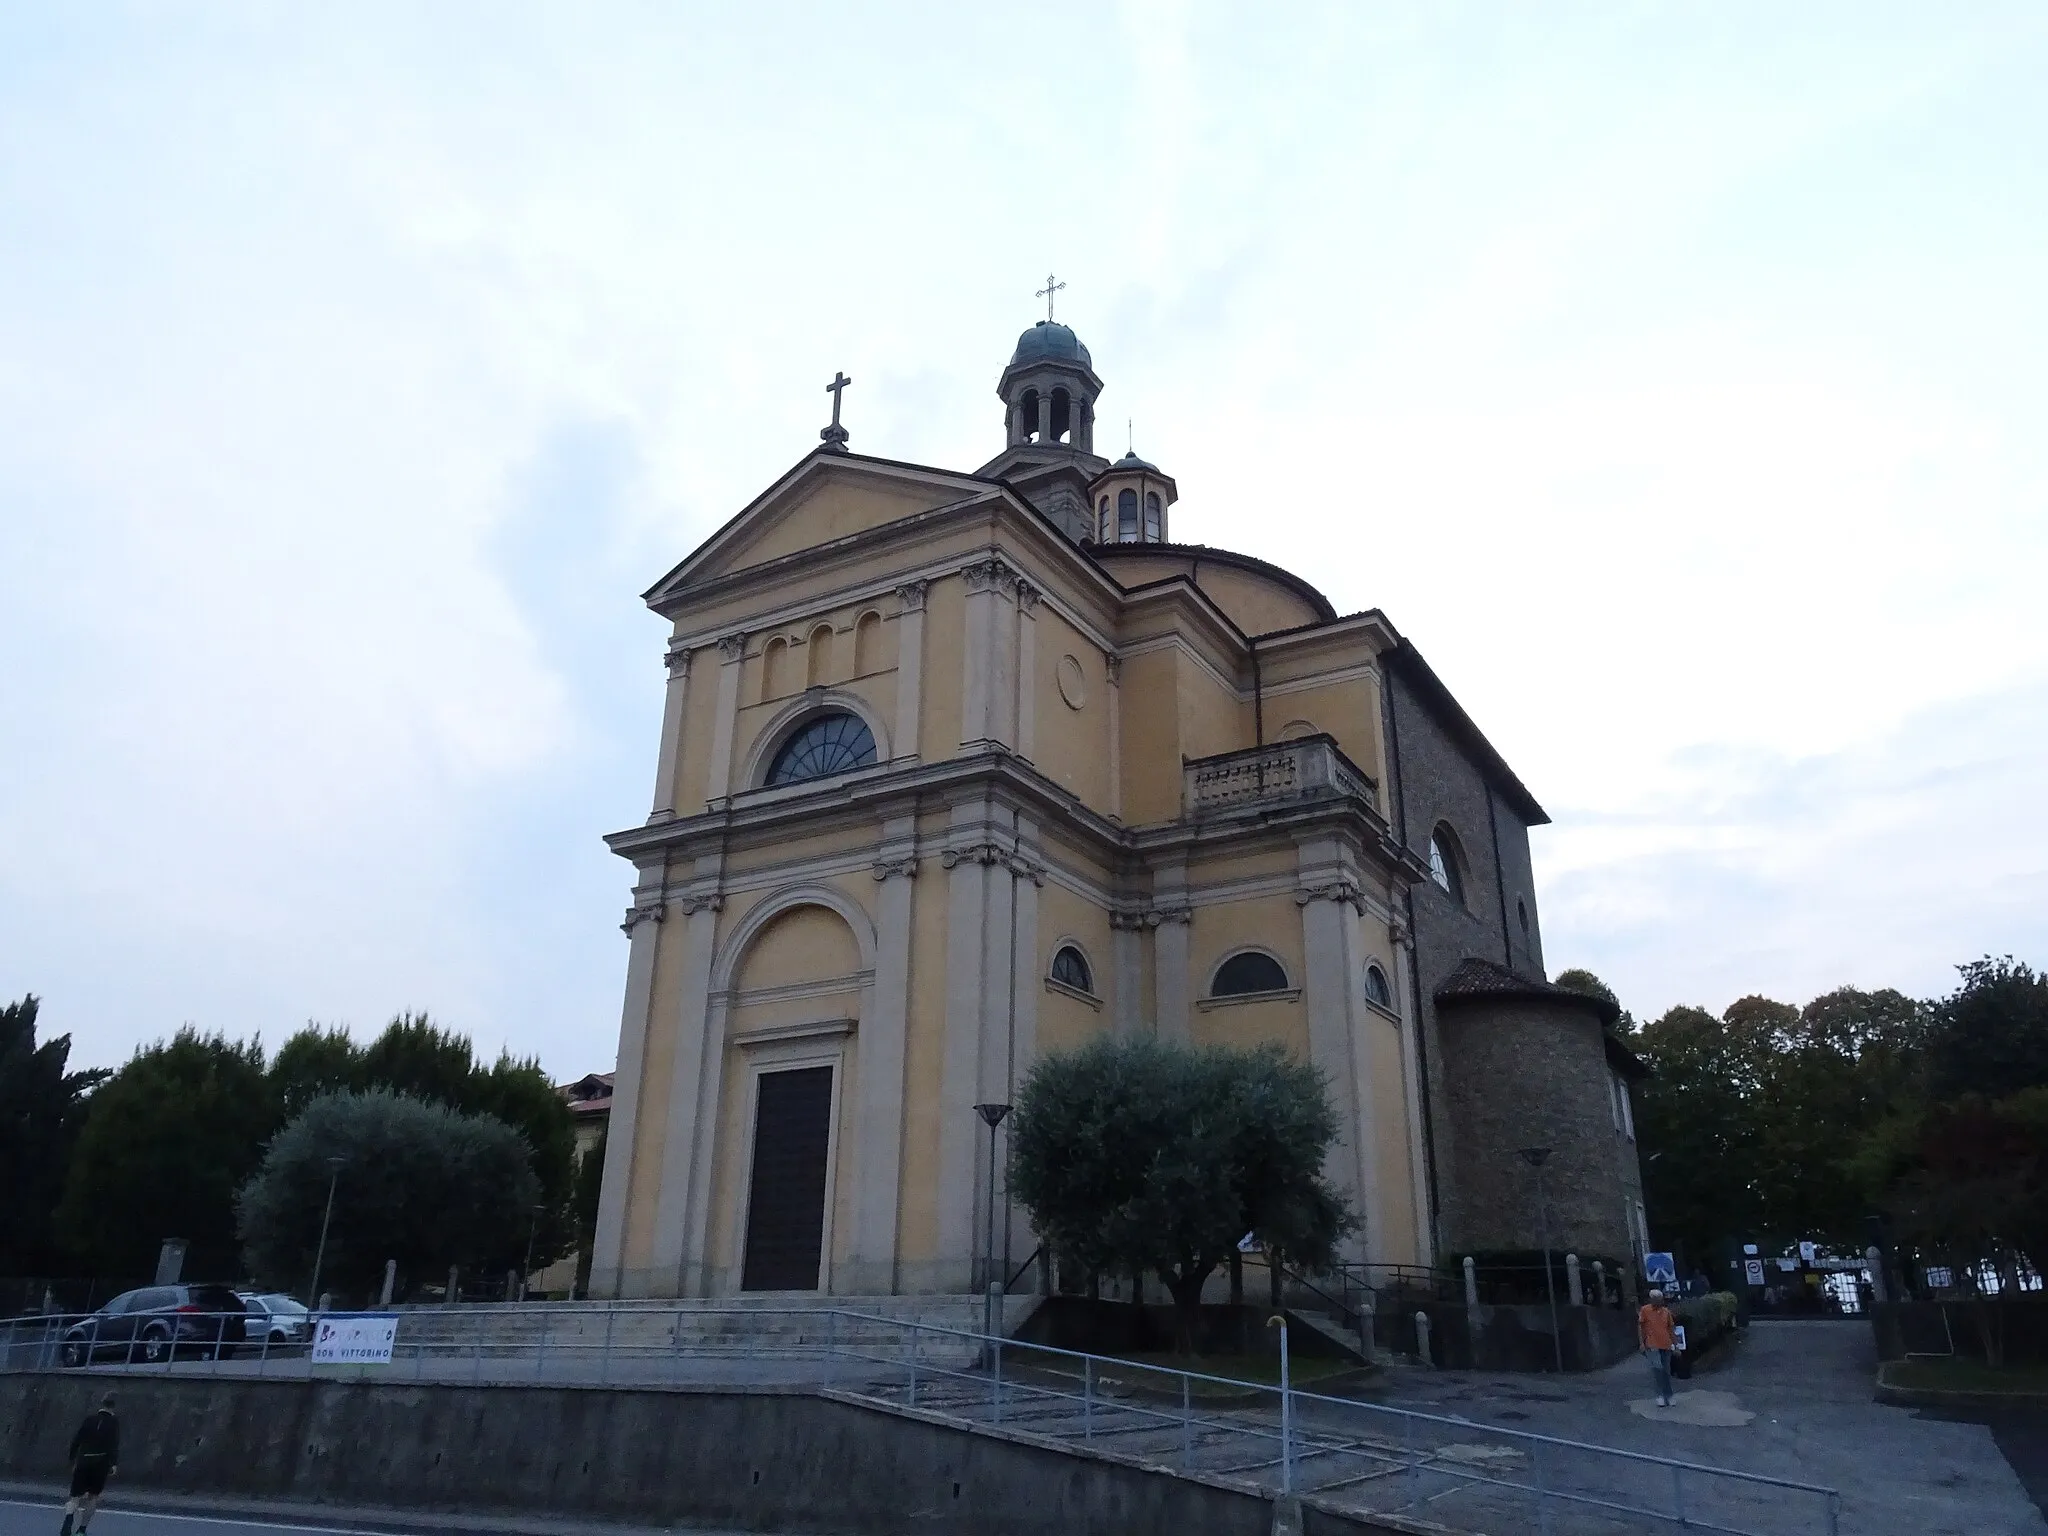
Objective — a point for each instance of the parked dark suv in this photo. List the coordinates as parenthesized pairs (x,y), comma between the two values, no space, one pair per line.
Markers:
(159,1322)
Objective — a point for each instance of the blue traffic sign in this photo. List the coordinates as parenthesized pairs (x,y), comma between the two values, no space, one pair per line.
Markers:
(1659,1269)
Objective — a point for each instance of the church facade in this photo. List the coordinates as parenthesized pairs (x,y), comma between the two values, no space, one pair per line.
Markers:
(958,769)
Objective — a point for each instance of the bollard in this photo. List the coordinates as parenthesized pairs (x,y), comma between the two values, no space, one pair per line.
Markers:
(390,1283)
(454,1291)
(1600,1281)
(1875,1260)
(1573,1284)
(1471,1282)
(1422,1340)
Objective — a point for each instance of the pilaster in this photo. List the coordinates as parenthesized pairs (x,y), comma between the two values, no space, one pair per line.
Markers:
(1170,919)
(882,1045)
(1127,954)
(690,1128)
(988,677)
(1411,1083)
(968,864)
(1333,991)
(608,1247)
(732,651)
(1026,652)
(672,716)
(1114,696)
(909,667)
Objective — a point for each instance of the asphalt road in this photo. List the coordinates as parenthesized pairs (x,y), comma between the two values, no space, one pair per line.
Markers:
(18,1518)
(29,1516)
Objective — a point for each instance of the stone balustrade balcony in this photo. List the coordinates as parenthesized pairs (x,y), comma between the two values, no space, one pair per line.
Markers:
(1276,776)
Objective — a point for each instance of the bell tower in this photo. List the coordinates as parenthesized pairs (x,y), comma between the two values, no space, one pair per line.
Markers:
(1049,390)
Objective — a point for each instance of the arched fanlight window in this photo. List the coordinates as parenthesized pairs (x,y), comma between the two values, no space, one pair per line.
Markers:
(1070,969)
(1443,864)
(1152,516)
(1127,517)
(822,746)
(1376,988)
(1246,972)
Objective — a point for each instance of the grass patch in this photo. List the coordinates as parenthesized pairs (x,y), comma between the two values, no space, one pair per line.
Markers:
(1960,1375)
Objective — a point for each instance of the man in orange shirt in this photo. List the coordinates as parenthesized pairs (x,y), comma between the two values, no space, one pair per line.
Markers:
(1653,1328)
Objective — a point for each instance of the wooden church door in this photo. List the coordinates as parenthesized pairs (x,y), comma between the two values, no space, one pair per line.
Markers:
(786,1203)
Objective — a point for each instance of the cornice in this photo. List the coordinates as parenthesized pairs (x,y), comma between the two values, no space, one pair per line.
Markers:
(860,801)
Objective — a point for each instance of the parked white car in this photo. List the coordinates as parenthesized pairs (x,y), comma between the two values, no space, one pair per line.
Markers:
(277,1317)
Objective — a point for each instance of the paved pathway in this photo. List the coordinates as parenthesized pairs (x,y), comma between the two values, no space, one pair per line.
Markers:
(1901,1472)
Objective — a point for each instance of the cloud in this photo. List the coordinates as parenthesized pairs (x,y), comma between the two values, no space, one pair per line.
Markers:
(1672,380)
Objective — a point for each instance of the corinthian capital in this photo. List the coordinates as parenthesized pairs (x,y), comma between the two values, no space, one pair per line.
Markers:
(987,575)
(732,647)
(911,595)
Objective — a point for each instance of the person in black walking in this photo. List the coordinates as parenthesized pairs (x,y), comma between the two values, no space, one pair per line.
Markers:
(95,1447)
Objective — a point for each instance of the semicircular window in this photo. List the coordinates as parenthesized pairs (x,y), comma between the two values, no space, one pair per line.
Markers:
(828,744)
(1070,969)
(1376,988)
(1246,972)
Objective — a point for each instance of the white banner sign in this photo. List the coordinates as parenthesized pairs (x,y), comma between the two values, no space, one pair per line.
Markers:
(354,1340)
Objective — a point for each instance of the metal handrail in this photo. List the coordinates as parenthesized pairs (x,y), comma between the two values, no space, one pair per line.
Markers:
(892,1344)
(1024,1268)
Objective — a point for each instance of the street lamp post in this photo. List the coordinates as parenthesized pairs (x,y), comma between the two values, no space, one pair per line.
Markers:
(992,1116)
(532,1231)
(334,1165)
(1536,1157)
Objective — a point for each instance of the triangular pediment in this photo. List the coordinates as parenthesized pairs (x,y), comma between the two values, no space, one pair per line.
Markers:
(825,498)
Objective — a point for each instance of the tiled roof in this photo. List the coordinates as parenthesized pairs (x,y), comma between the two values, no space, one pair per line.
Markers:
(1477,979)
(1482,978)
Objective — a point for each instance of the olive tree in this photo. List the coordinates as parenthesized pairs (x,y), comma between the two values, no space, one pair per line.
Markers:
(418,1182)
(1141,1156)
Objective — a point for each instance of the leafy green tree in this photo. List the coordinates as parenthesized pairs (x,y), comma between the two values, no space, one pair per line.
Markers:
(42,1107)
(522,1095)
(313,1062)
(421,1183)
(166,1142)
(415,1055)
(1696,1127)
(1990,1036)
(1138,1156)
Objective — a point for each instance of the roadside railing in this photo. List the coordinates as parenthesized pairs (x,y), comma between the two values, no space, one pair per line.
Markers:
(1272,1437)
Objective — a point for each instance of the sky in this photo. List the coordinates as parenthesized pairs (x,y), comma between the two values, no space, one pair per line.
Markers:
(1671,376)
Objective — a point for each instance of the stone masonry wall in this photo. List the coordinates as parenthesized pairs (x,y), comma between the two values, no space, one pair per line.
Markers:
(1520,1074)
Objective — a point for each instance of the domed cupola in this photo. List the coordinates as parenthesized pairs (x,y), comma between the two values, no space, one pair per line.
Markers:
(1130,500)
(1049,390)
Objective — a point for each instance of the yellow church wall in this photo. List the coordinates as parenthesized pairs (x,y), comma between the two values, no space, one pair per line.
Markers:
(1071,746)
(802,945)
(1398,1231)
(1065,1020)
(945,660)
(1256,604)
(698,726)
(1252,1024)
(1347,710)
(833,511)
(1271,923)
(1212,718)
(1151,737)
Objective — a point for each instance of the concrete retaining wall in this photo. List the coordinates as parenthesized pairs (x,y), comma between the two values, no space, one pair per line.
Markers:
(747,1460)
